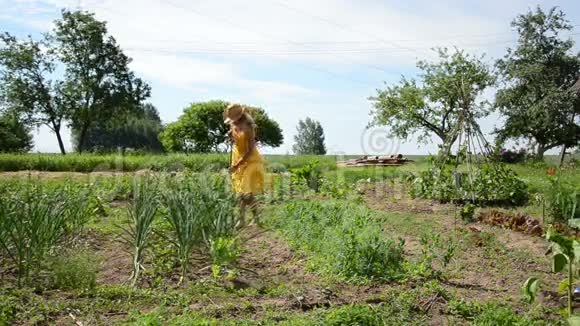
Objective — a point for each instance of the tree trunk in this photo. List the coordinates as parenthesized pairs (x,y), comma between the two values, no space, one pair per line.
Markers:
(56,129)
(562,155)
(82,135)
(540,152)
(60,143)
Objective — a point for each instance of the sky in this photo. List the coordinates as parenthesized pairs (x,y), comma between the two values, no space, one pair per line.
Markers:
(296,59)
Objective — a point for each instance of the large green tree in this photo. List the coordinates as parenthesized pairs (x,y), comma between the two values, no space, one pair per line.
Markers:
(137,129)
(201,129)
(14,134)
(309,138)
(98,82)
(537,97)
(433,105)
(26,84)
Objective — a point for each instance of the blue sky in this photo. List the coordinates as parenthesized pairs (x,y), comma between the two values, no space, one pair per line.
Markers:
(298,58)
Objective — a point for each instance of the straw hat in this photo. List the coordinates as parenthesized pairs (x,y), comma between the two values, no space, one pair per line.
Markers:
(233,113)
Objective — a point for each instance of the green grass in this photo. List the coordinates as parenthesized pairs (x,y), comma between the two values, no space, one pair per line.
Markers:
(156,162)
(343,241)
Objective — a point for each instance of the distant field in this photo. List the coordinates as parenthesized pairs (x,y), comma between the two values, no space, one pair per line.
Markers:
(169,162)
(157,162)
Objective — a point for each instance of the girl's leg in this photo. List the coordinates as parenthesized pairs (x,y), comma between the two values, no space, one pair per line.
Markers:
(255,207)
(243,205)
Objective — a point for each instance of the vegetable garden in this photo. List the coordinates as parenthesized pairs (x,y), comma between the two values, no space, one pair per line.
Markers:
(335,246)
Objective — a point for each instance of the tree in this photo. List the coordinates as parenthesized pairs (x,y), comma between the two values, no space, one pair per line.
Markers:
(14,134)
(309,138)
(537,97)
(98,83)
(26,85)
(138,129)
(433,107)
(201,129)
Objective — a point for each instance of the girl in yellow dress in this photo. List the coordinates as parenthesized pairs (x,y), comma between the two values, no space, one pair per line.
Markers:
(247,166)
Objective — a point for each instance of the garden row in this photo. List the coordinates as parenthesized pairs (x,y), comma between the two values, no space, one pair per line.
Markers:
(40,220)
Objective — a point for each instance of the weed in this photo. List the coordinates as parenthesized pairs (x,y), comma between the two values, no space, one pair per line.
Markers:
(342,239)
(224,252)
(436,254)
(76,271)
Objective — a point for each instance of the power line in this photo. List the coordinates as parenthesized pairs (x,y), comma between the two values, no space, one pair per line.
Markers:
(229,22)
(342,26)
(327,72)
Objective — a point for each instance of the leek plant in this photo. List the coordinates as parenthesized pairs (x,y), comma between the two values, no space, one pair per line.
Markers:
(141,213)
(34,220)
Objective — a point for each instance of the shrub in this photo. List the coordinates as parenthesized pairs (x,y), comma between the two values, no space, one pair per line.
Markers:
(309,174)
(512,156)
(488,184)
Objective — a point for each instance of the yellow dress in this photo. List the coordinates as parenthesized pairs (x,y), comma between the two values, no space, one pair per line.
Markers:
(248,177)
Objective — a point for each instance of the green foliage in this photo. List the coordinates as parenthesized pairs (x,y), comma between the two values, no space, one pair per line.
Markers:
(135,161)
(26,87)
(35,220)
(309,174)
(309,139)
(354,315)
(489,184)
(343,240)
(447,87)
(537,100)
(137,129)
(141,215)
(98,82)
(200,209)
(565,253)
(437,253)
(14,134)
(201,129)
(224,252)
(73,271)
(562,198)
(530,289)
(500,315)
(467,212)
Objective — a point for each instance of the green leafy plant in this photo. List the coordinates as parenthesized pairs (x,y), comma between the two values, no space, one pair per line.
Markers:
(183,214)
(199,209)
(73,271)
(224,252)
(309,173)
(562,198)
(436,254)
(467,212)
(488,184)
(341,239)
(35,220)
(141,215)
(530,289)
(565,256)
